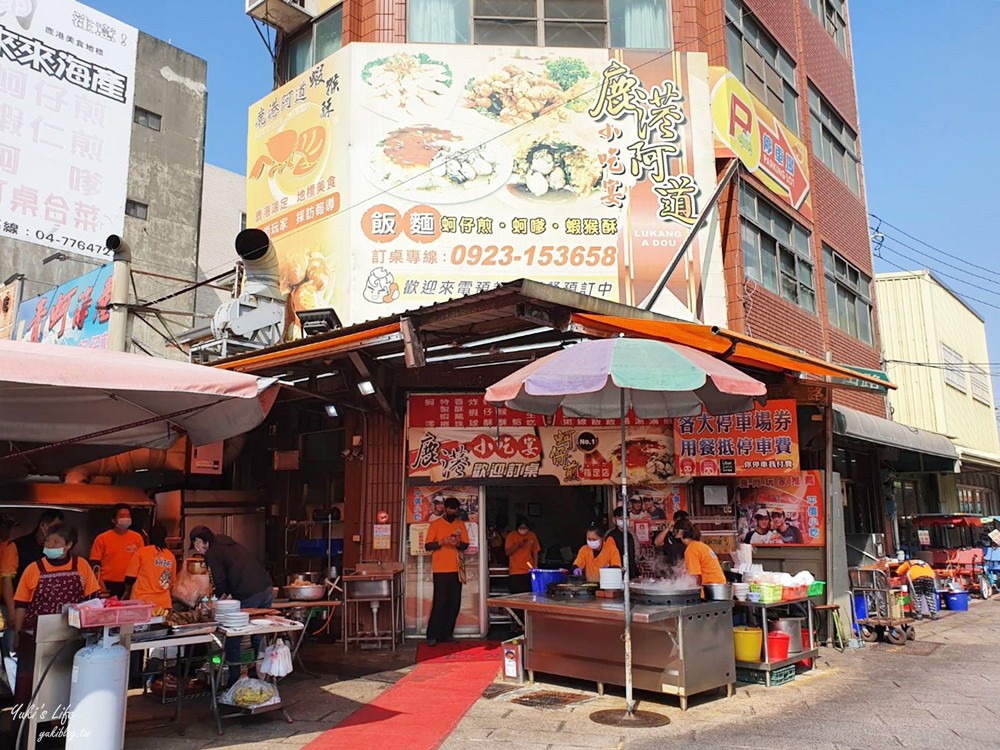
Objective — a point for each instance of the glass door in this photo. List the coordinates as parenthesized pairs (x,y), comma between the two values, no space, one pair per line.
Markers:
(424,505)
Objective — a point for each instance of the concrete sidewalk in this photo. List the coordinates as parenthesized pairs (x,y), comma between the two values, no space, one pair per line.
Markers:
(940,692)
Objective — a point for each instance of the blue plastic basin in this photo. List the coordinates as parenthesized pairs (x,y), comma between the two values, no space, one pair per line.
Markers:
(540,579)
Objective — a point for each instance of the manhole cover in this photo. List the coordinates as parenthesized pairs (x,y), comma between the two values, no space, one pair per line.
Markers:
(549,699)
(619,717)
(496,690)
(913,648)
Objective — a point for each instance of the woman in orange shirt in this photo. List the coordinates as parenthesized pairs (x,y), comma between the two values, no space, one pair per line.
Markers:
(598,553)
(699,559)
(150,573)
(522,548)
(46,586)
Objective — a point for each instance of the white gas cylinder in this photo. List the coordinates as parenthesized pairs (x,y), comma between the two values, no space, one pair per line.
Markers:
(97,698)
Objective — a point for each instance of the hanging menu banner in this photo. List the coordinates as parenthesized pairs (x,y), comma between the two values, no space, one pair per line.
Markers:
(762,442)
(459,437)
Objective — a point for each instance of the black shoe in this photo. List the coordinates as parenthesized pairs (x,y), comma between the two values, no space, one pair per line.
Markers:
(448,640)
(432,642)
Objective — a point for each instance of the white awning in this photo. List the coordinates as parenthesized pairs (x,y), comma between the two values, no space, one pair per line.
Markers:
(869,428)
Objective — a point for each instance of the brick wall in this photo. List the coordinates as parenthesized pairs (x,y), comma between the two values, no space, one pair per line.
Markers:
(375,21)
(827,67)
(779,19)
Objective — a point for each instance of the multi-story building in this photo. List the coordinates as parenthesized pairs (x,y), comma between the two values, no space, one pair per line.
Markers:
(43,242)
(223,216)
(935,349)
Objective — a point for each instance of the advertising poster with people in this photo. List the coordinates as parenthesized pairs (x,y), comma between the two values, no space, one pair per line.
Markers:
(782,511)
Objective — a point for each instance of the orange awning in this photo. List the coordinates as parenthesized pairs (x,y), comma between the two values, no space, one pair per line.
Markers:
(282,356)
(735,348)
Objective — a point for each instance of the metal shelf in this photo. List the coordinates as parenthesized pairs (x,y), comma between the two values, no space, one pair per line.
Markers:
(764,666)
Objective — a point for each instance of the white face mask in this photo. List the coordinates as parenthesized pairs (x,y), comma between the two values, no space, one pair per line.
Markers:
(620,523)
(594,544)
(124,523)
(522,532)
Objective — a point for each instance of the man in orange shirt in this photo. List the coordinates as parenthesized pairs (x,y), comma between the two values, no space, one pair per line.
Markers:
(446,539)
(922,584)
(113,550)
(522,548)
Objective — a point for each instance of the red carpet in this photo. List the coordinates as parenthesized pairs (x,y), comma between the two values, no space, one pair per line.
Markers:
(421,710)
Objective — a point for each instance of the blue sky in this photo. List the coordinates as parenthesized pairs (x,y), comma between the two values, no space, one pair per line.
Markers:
(929,114)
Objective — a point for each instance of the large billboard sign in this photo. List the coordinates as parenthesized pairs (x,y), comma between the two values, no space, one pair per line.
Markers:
(76,313)
(747,130)
(394,176)
(67,75)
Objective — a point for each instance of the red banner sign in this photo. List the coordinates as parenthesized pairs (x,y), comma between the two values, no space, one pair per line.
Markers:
(762,442)
(782,511)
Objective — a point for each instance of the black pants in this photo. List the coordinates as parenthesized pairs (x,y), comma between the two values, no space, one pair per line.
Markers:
(520,583)
(444,610)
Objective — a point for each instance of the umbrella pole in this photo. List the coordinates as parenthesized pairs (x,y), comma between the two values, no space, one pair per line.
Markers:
(629,703)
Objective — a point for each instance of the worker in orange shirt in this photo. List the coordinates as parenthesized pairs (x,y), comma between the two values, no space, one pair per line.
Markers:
(922,585)
(522,548)
(447,538)
(699,559)
(151,572)
(596,554)
(113,550)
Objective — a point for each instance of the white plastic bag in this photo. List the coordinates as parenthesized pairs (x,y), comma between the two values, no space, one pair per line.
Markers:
(250,693)
(277,659)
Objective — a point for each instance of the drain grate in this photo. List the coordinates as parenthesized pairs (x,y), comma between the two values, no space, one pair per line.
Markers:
(390,678)
(913,648)
(497,689)
(550,699)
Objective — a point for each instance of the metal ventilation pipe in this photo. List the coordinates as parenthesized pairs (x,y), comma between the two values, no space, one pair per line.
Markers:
(261,263)
(120,275)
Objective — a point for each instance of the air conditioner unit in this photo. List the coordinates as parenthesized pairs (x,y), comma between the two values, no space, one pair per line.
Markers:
(287,16)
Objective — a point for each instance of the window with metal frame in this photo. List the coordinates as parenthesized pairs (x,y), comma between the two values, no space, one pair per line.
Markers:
(316,43)
(761,64)
(980,381)
(776,250)
(834,142)
(630,24)
(147,119)
(954,368)
(848,296)
(831,14)
(136,209)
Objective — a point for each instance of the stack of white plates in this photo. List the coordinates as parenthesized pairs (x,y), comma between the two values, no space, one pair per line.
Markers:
(234,620)
(741,590)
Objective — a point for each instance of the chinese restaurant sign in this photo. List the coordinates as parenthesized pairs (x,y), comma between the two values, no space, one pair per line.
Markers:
(746,129)
(74,314)
(782,511)
(762,442)
(461,438)
(67,74)
(393,176)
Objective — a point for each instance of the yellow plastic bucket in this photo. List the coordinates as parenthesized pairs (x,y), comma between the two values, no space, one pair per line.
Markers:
(747,642)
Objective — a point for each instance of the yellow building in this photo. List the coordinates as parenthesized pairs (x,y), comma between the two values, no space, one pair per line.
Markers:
(935,350)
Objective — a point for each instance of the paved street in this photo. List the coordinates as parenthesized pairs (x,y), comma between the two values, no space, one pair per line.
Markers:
(941,692)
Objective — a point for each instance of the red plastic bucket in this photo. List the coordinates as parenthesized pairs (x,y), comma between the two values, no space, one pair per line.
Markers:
(777,645)
(805,663)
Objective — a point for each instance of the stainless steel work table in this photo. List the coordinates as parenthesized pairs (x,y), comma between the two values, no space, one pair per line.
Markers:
(676,650)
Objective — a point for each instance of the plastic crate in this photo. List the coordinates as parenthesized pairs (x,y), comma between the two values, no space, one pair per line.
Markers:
(770,593)
(127,614)
(790,593)
(817,588)
(759,677)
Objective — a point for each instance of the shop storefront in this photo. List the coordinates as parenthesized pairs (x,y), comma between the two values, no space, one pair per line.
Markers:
(561,474)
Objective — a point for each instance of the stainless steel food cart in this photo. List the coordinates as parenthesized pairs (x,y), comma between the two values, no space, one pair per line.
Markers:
(676,650)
